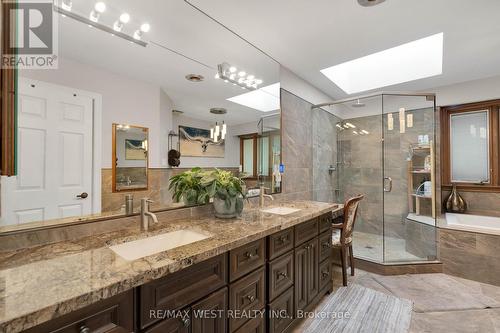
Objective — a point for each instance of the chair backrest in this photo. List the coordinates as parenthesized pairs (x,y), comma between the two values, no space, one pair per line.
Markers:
(350,213)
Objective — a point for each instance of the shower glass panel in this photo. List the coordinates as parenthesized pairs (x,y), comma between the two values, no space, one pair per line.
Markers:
(381,146)
(409,173)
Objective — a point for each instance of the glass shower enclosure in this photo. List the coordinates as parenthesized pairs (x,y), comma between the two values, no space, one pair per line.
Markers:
(382,146)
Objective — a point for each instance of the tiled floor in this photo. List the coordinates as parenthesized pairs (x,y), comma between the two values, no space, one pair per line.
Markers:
(371,247)
(442,303)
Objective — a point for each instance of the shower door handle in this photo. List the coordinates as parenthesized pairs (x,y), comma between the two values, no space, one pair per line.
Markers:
(389,179)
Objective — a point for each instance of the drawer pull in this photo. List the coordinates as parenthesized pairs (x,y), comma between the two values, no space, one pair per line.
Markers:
(283,239)
(308,247)
(251,298)
(186,322)
(249,255)
(84,329)
(324,274)
(282,274)
(326,244)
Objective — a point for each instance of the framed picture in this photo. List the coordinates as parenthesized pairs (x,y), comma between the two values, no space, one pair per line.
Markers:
(196,142)
(135,150)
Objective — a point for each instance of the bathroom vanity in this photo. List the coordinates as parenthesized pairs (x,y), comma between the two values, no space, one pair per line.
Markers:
(254,274)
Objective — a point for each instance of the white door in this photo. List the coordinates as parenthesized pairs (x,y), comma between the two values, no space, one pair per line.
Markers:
(54,160)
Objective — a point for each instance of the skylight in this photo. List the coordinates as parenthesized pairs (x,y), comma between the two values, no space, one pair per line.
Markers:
(264,99)
(411,61)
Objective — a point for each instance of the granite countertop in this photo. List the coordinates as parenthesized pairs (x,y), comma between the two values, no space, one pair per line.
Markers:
(42,283)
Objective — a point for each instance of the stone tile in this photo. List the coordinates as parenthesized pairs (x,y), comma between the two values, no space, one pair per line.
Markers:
(454,321)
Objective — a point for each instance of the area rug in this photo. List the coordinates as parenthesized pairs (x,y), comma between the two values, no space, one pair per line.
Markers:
(435,292)
(359,309)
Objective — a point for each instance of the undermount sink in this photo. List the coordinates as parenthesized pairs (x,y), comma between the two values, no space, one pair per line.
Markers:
(148,246)
(280,210)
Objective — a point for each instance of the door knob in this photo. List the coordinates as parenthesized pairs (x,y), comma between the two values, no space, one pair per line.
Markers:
(84,195)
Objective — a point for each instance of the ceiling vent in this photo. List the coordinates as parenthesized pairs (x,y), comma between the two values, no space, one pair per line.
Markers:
(369,3)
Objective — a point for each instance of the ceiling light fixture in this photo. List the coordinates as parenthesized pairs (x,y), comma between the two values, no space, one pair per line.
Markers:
(264,99)
(93,21)
(67,5)
(229,74)
(415,60)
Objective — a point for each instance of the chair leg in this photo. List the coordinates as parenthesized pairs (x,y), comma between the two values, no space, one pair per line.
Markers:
(343,257)
(351,257)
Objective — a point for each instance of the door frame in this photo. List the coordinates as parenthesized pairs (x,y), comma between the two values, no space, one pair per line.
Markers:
(96,135)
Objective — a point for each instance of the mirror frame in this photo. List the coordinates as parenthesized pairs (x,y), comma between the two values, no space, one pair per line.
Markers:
(114,160)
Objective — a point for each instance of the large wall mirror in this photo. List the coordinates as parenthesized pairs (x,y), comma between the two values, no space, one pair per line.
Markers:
(134,103)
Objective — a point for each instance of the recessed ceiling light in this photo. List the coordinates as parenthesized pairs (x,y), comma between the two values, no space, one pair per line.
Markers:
(264,99)
(411,61)
(145,27)
(100,7)
(194,77)
(369,3)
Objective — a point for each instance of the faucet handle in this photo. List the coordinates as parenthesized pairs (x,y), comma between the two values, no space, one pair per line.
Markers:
(149,201)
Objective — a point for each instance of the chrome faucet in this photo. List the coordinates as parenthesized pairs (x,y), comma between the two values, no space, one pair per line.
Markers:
(146,214)
(262,196)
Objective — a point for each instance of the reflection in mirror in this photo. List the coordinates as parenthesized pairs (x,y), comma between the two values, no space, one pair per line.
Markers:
(184,88)
(130,153)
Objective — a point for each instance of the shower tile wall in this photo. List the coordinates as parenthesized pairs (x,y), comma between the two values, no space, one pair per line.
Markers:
(324,155)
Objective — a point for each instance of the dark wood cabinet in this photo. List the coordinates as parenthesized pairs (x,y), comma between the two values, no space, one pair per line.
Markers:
(172,325)
(281,312)
(181,288)
(247,295)
(255,325)
(112,315)
(325,275)
(301,277)
(306,231)
(210,314)
(325,222)
(280,243)
(325,245)
(245,259)
(312,269)
(280,274)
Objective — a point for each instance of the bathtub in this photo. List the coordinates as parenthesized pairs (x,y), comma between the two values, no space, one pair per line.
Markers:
(474,223)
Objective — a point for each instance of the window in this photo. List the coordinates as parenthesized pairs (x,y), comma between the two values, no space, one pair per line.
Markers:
(470,147)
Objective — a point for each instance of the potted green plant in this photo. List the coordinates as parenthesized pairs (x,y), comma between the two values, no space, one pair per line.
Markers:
(188,187)
(227,190)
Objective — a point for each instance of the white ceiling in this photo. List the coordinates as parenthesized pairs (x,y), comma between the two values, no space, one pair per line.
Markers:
(178,26)
(307,36)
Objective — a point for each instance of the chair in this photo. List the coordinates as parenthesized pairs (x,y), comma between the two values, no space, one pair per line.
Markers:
(342,234)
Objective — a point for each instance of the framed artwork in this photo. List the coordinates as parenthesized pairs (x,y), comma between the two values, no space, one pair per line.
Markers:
(196,142)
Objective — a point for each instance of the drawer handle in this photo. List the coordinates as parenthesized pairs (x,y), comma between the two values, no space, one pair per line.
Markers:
(283,239)
(249,255)
(308,247)
(251,298)
(282,274)
(326,244)
(84,329)
(324,274)
(186,322)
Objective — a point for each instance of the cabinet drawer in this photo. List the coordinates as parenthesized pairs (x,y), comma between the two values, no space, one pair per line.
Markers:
(245,259)
(325,275)
(306,231)
(325,222)
(247,295)
(280,243)
(182,288)
(172,325)
(325,245)
(255,325)
(280,275)
(113,315)
(210,314)
(281,312)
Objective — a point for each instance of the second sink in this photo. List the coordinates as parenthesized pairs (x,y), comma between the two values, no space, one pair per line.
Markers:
(280,210)
(148,246)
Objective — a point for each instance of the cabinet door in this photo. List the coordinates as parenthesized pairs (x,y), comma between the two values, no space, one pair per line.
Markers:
(312,270)
(301,276)
(209,315)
